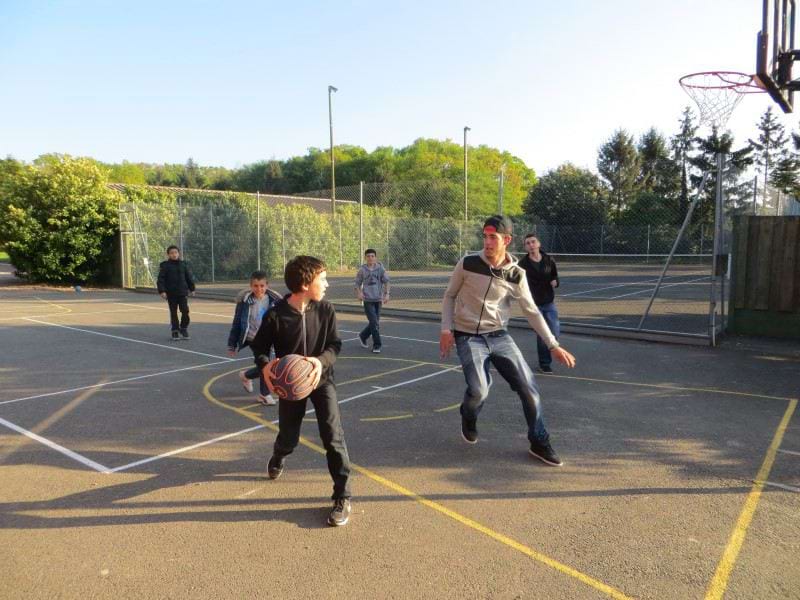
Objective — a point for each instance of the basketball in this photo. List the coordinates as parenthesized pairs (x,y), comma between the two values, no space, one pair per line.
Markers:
(292,377)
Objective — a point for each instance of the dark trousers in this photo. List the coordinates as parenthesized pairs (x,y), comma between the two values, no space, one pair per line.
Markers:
(373,312)
(329,420)
(176,302)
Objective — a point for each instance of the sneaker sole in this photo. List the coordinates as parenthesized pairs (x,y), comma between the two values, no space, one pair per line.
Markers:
(274,477)
(544,460)
(248,387)
(471,442)
(340,524)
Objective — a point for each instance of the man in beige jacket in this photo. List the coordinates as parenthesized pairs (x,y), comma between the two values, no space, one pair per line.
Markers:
(475,313)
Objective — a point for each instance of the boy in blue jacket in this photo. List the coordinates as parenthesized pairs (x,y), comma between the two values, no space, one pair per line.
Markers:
(251,306)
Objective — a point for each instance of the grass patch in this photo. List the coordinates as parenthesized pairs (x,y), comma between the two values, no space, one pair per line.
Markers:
(3,256)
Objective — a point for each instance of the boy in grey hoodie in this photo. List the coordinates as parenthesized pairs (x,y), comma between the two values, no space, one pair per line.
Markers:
(372,288)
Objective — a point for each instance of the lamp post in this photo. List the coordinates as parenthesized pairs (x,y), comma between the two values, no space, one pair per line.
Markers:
(466,202)
(333,165)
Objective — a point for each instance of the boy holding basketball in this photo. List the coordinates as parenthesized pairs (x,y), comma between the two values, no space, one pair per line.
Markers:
(251,306)
(305,324)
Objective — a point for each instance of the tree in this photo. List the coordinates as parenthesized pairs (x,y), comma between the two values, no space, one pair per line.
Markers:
(565,195)
(618,164)
(658,173)
(770,148)
(683,144)
(58,218)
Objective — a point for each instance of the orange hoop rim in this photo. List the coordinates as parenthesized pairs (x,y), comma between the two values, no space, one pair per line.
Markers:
(735,81)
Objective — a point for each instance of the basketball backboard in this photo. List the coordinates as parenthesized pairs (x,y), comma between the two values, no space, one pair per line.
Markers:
(777,52)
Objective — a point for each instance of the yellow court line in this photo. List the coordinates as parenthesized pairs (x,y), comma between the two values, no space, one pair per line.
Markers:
(406,416)
(53,304)
(451,407)
(440,508)
(414,366)
(716,588)
(670,387)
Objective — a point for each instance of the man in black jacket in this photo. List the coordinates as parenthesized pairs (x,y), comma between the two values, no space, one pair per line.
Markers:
(542,275)
(175,283)
(305,324)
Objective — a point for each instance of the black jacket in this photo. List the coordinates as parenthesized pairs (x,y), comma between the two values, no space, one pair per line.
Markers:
(312,333)
(539,278)
(175,278)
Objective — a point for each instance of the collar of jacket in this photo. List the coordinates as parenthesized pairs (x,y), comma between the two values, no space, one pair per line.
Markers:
(508,263)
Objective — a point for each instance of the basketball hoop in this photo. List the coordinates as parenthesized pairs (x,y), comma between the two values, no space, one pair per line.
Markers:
(718,93)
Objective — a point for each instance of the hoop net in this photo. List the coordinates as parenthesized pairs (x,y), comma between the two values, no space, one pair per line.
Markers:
(718,93)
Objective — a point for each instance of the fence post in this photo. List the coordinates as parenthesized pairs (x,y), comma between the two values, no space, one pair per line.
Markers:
(427,242)
(360,221)
(283,238)
(387,241)
(648,243)
(460,251)
(341,254)
(258,230)
(211,221)
(702,237)
(602,234)
(180,225)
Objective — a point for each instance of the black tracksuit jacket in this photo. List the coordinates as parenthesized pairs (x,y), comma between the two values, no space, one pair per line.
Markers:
(312,333)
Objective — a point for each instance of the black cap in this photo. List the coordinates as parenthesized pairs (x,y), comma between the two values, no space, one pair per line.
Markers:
(500,224)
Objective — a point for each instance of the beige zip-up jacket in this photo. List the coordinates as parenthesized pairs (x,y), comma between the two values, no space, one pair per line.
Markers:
(478,298)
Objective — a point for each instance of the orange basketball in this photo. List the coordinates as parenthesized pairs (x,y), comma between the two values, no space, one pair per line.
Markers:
(293,378)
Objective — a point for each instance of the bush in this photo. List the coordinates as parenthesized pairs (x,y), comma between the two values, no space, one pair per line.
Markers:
(58,219)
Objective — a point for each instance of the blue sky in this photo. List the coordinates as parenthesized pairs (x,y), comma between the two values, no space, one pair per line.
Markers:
(236,82)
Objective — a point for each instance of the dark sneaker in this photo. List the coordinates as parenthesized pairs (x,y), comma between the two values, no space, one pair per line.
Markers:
(340,513)
(546,454)
(469,430)
(275,466)
(545,368)
(185,334)
(362,342)
(376,350)
(175,336)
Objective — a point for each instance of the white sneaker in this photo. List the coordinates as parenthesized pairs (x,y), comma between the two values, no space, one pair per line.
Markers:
(267,400)
(246,383)
(362,342)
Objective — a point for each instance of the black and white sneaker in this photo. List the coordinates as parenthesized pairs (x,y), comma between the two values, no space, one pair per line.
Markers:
(362,342)
(546,454)
(275,466)
(185,334)
(175,336)
(545,369)
(469,430)
(340,514)
(376,349)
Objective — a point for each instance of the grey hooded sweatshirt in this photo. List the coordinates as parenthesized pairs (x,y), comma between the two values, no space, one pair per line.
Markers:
(478,298)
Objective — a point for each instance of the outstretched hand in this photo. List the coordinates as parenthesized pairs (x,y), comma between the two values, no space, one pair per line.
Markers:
(269,374)
(316,374)
(564,357)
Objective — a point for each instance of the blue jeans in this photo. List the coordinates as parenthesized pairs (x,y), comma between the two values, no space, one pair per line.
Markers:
(550,314)
(373,312)
(475,353)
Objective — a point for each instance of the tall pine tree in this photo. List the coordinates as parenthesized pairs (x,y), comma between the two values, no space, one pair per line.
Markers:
(618,164)
(770,148)
(683,144)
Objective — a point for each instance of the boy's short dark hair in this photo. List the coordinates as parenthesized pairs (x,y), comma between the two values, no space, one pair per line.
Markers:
(258,276)
(529,236)
(302,270)
(171,247)
(370,251)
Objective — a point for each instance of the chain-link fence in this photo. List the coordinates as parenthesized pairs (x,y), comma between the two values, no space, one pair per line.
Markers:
(613,265)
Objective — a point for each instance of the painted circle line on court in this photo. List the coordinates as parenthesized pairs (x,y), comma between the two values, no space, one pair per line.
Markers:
(436,506)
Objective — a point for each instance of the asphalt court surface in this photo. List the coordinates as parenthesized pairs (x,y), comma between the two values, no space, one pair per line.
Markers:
(133,465)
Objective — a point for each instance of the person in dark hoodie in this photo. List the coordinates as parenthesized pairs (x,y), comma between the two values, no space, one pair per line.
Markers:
(542,274)
(251,306)
(303,323)
(175,283)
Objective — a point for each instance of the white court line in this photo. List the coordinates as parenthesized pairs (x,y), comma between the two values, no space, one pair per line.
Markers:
(789,452)
(98,385)
(666,285)
(612,287)
(230,435)
(118,337)
(783,486)
(65,451)
(72,313)
(392,337)
(186,449)
(194,312)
